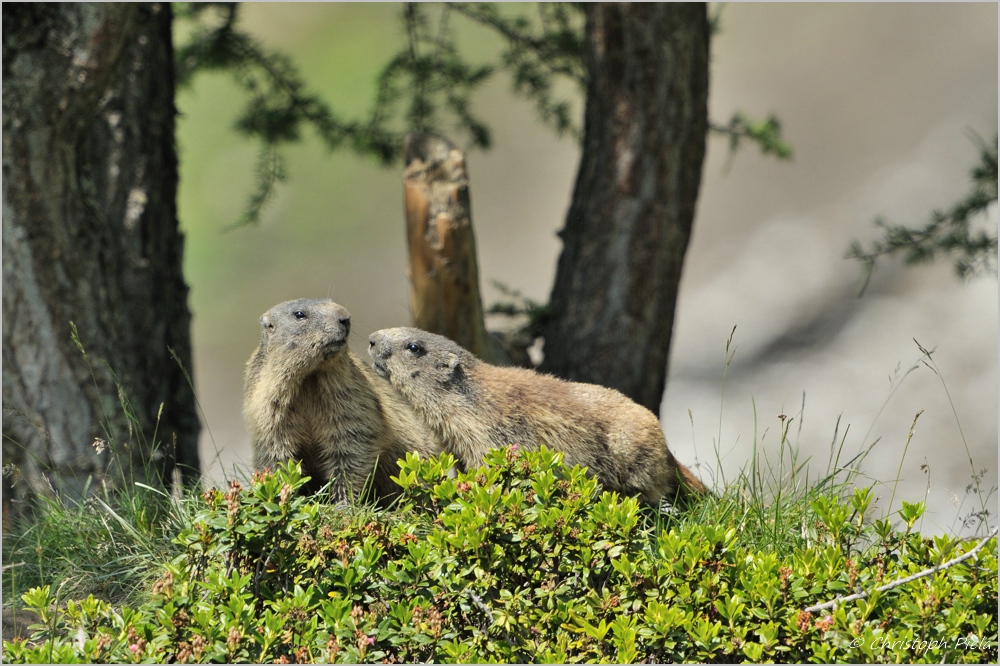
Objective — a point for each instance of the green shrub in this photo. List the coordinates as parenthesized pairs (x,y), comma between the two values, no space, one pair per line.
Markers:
(524,561)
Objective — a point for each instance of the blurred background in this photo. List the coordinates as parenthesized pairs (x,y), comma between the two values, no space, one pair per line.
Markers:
(877,101)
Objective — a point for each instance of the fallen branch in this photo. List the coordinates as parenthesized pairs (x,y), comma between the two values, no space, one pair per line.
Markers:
(903,581)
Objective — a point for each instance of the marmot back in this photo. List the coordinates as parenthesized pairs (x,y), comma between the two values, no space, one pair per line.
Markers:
(308,398)
(474,406)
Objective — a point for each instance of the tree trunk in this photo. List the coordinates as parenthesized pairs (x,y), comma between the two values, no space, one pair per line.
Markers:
(646,117)
(444,272)
(90,239)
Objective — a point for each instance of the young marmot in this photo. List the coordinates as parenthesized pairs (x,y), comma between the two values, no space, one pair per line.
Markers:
(474,407)
(308,398)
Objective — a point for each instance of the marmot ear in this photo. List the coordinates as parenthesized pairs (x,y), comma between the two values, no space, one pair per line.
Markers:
(265,321)
(454,363)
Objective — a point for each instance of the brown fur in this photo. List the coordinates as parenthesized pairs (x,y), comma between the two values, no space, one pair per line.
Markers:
(308,398)
(474,406)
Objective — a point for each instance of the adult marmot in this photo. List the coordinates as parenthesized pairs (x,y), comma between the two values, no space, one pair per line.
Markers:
(474,406)
(308,398)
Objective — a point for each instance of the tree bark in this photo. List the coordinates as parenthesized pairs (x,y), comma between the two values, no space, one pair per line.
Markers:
(90,238)
(444,273)
(629,222)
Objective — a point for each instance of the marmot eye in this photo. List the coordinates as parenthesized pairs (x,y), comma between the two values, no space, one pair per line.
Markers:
(415,348)
(299,314)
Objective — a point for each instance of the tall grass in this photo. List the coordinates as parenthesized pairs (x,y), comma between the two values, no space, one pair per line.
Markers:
(107,540)
(108,544)
(771,500)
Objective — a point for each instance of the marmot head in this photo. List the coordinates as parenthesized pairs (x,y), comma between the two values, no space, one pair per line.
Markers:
(304,332)
(406,356)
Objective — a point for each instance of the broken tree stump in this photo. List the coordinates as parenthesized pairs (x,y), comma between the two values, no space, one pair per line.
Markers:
(444,272)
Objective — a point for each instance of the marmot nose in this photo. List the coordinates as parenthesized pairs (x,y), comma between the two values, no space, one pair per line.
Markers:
(346,323)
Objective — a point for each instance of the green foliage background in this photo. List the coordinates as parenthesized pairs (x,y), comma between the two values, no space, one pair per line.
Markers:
(218,163)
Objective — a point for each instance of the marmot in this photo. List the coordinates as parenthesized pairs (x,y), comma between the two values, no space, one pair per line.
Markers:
(474,406)
(308,398)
